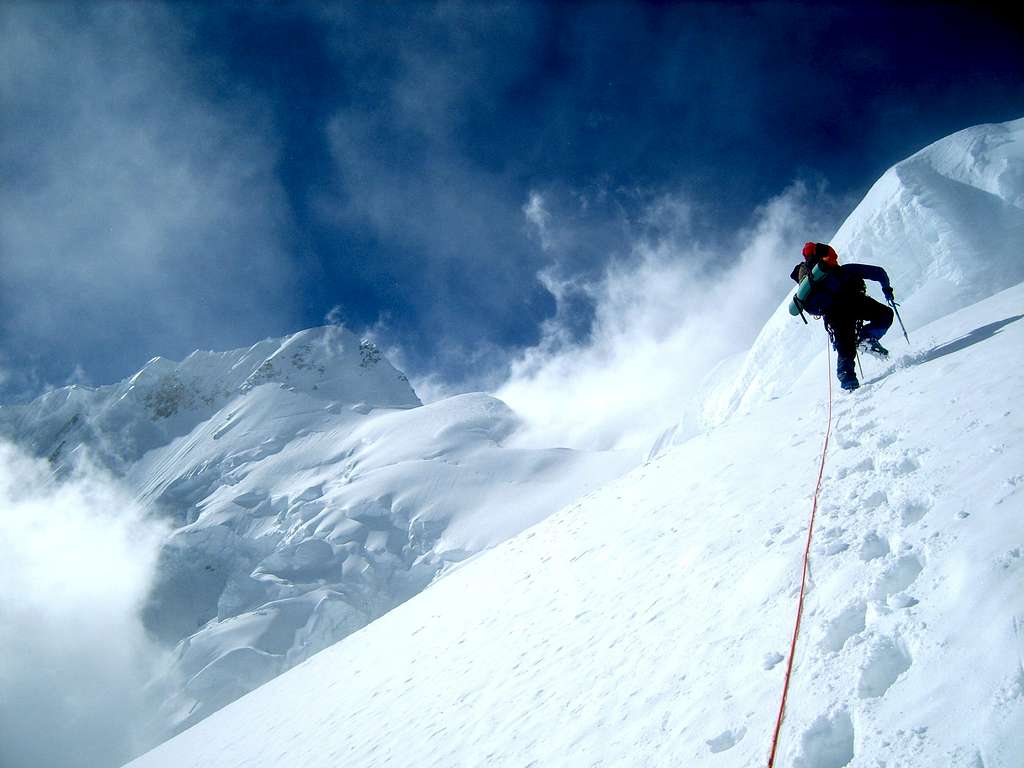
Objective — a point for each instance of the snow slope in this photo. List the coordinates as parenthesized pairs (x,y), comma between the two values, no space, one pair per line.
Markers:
(947,224)
(311,490)
(646,623)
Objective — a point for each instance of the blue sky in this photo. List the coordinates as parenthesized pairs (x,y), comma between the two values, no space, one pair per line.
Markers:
(453,178)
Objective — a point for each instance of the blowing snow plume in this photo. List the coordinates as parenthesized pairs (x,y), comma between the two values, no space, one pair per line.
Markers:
(76,560)
(664,317)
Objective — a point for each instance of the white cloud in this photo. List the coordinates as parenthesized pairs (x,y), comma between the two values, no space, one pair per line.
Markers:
(539,217)
(334,316)
(77,558)
(78,376)
(663,318)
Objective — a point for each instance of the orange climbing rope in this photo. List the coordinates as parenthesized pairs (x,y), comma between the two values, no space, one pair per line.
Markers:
(803,578)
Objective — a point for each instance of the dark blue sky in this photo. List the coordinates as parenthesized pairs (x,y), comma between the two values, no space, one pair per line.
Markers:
(188,175)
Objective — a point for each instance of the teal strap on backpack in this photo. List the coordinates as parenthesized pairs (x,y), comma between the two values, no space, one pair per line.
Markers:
(804,290)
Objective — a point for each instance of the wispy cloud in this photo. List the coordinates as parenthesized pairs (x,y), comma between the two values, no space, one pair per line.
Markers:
(335,315)
(540,218)
(139,213)
(422,179)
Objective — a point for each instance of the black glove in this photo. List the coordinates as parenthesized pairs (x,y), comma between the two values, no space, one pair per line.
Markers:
(887,292)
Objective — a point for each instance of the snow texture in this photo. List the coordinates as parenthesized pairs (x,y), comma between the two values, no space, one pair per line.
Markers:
(645,623)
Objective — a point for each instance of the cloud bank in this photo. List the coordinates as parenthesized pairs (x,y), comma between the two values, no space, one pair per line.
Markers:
(77,558)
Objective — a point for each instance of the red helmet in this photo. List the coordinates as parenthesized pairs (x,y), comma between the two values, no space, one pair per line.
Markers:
(822,252)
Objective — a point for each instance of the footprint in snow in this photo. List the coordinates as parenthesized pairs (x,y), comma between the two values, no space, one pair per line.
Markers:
(833,538)
(1010,558)
(898,577)
(771,660)
(835,547)
(1011,691)
(850,621)
(873,500)
(903,600)
(827,743)
(912,510)
(864,465)
(902,466)
(863,427)
(726,739)
(873,546)
(886,439)
(887,660)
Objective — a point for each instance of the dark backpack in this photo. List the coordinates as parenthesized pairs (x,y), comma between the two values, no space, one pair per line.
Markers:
(824,294)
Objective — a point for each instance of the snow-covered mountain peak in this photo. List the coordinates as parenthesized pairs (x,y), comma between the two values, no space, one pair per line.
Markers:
(662,603)
(166,399)
(946,220)
(330,362)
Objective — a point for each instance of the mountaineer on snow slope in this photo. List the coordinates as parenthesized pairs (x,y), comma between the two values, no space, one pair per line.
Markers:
(837,294)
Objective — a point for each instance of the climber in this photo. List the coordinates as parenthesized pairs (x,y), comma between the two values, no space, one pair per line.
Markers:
(837,294)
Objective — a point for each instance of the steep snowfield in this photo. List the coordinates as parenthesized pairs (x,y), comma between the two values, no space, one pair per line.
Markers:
(947,224)
(311,491)
(646,624)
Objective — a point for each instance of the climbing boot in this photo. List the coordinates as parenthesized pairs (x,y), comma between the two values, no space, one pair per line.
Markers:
(874,348)
(848,382)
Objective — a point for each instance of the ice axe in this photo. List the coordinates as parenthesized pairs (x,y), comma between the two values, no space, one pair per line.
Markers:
(894,305)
